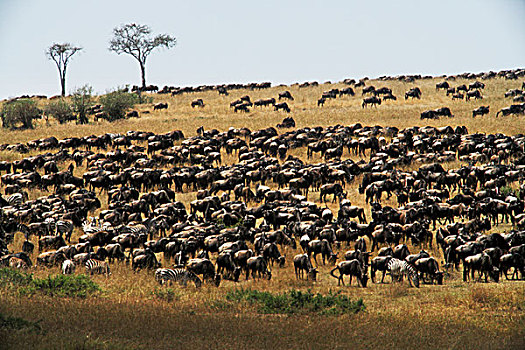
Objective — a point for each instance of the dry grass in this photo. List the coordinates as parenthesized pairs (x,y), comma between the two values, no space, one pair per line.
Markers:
(132,312)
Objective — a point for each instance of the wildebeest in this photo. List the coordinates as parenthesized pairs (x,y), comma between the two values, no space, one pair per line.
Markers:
(285,94)
(483,264)
(241,108)
(160,106)
(379,263)
(443,85)
(197,103)
(258,266)
(413,93)
(335,189)
(264,102)
(428,267)
(476,94)
(301,264)
(512,260)
(321,247)
(283,106)
(482,110)
(373,100)
(350,268)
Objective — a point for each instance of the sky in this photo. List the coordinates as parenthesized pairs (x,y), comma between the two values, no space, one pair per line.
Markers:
(253,41)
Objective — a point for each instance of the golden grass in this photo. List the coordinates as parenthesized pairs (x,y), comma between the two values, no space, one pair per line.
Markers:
(131,313)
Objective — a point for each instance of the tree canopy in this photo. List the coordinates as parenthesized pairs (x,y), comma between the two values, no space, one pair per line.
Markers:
(136,40)
(61,54)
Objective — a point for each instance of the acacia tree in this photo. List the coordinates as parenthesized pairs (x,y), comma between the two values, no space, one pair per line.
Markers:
(135,40)
(61,53)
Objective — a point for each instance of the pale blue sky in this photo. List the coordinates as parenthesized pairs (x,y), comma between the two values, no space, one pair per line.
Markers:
(252,41)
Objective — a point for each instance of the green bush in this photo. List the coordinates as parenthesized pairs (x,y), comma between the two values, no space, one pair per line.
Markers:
(14,278)
(17,323)
(19,114)
(81,99)
(507,190)
(60,110)
(66,285)
(60,285)
(295,301)
(115,104)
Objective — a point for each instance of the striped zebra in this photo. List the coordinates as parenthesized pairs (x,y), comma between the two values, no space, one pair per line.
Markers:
(134,229)
(182,276)
(399,268)
(91,227)
(64,227)
(97,267)
(15,200)
(68,267)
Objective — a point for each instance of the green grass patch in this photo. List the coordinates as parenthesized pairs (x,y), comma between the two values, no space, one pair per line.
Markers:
(16,323)
(165,294)
(297,302)
(79,286)
(14,278)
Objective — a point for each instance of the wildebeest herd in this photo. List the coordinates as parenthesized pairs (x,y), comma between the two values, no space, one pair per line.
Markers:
(120,192)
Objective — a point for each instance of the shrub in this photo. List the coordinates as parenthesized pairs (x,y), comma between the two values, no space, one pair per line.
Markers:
(10,277)
(81,99)
(60,285)
(17,323)
(20,113)
(66,286)
(60,110)
(115,104)
(295,301)
(507,190)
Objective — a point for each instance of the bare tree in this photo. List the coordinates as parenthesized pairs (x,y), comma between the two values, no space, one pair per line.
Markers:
(61,53)
(135,40)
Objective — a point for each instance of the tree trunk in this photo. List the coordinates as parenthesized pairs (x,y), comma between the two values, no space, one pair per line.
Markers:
(63,83)
(143,73)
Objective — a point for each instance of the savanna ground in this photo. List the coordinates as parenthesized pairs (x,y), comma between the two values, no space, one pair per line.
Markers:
(132,311)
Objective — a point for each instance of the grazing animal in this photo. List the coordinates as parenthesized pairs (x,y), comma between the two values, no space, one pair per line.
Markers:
(303,263)
(379,263)
(97,267)
(428,267)
(169,276)
(68,267)
(283,106)
(197,103)
(258,266)
(350,268)
(160,106)
(483,264)
(285,94)
(476,94)
(400,268)
(64,227)
(373,100)
(482,110)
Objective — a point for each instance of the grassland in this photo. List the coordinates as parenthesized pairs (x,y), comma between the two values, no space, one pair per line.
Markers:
(132,311)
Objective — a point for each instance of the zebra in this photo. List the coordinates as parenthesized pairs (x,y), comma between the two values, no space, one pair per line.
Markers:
(68,267)
(15,200)
(98,267)
(93,225)
(134,230)
(182,276)
(64,226)
(399,268)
